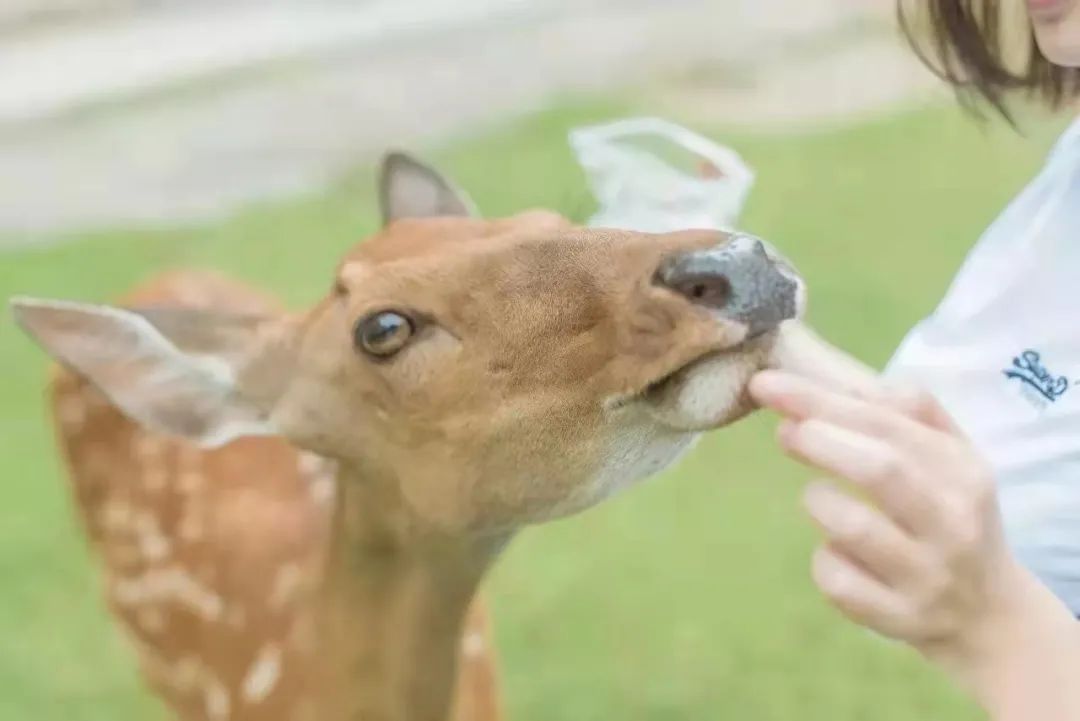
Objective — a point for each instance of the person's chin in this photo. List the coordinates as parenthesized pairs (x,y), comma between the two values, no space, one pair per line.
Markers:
(1059,42)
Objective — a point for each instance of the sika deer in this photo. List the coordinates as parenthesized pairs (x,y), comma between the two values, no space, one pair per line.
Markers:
(294,511)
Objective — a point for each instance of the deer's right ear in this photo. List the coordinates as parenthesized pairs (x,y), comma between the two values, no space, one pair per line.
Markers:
(411,189)
(182,372)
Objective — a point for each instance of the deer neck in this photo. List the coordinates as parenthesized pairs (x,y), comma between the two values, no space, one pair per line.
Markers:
(394,600)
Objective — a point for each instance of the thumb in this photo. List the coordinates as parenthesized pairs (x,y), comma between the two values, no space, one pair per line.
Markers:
(803,352)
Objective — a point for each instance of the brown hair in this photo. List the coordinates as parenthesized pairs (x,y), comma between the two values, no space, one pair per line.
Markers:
(968,47)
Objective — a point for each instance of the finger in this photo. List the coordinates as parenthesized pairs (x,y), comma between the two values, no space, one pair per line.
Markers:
(921,406)
(859,596)
(888,474)
(799,350)
(863,534)
(800,399)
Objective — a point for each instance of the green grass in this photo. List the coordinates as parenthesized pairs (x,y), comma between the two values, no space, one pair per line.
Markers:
(687,598)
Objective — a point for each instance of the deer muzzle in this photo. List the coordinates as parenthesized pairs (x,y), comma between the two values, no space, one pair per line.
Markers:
(742,280)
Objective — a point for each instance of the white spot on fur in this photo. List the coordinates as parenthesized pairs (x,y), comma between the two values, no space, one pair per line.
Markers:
(319,472)
(310,464)
(218,704)
(323,490)
(155,547)
(153,544)
(287,583)
(263,675)
(168,585)
(473,645)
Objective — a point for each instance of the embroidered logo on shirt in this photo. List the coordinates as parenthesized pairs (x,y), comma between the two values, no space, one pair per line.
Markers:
(1043,386)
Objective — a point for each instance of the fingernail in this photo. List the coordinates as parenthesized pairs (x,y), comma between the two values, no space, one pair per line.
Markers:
(767,383)
(759,385)
(831,575)
(816,500)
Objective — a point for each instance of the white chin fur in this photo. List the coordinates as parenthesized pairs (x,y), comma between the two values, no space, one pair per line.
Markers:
(709,394)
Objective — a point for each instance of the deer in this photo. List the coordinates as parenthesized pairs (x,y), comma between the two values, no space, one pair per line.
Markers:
(293,512)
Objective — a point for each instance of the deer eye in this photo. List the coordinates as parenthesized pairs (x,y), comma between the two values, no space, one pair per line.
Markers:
(383,334)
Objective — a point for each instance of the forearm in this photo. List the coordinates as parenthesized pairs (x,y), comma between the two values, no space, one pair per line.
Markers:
(1027,666)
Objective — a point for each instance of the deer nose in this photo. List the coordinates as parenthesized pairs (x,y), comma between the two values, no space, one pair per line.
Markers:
(739,279)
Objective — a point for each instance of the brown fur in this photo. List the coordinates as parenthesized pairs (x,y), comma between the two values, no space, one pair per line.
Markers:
(261,581)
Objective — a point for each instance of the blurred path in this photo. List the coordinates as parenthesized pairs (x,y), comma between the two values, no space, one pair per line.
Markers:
(867,75)
(183,116)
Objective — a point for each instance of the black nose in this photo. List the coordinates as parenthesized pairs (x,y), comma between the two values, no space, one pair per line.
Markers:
(738,279)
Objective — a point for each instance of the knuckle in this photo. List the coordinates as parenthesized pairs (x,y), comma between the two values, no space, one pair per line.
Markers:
(911,612)
(965,530)
(888,468)
(907,396)
(926,616)
(917,403)
(924,403)
(934,585)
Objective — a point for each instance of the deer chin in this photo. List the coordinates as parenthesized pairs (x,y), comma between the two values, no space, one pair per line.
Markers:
(670,415)
(710,391)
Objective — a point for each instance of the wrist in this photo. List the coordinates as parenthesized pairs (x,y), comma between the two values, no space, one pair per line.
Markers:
(1025,642)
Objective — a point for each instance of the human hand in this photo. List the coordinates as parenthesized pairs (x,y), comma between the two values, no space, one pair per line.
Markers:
(923,559)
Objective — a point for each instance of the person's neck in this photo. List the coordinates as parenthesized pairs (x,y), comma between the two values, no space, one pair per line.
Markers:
(391,608)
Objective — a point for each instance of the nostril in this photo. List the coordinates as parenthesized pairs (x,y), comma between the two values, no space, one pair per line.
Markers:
(739,280)
(713,291)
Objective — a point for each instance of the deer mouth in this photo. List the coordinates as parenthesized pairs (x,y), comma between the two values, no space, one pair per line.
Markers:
(742,283)
(749,345)
(708,391)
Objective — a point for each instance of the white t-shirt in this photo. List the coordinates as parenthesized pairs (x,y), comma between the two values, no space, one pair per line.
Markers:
(1002,354)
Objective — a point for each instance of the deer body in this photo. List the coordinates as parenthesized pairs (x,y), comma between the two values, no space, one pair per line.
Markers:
(294,511)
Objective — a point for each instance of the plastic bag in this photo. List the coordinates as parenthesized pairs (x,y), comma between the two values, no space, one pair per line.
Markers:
(654,176)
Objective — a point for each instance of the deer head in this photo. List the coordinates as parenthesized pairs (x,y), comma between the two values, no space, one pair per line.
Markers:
(497,372)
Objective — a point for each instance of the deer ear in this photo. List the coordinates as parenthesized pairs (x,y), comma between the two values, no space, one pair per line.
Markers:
(411,189)
(174,371)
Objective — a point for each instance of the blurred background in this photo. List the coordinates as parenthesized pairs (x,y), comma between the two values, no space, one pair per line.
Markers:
(141,134)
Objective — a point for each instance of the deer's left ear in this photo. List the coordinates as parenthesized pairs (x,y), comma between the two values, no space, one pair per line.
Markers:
(411,189)
(204,376)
